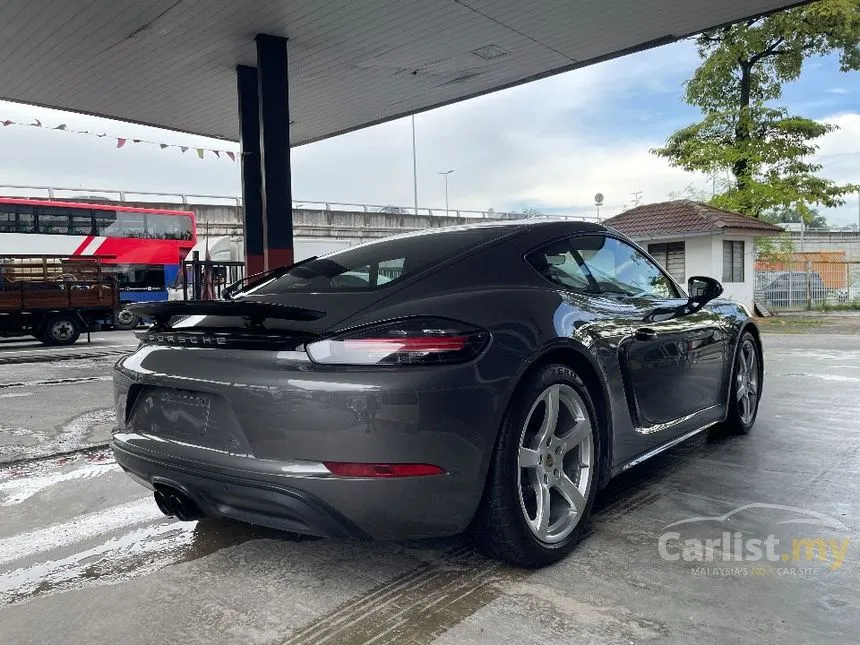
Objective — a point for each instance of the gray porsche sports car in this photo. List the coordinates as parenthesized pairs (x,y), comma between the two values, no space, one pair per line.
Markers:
(488,378)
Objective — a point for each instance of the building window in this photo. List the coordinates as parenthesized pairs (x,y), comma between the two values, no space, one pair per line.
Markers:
(671,257)
(733,261)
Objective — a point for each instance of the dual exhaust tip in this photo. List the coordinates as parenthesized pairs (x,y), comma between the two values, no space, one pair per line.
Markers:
(175,503)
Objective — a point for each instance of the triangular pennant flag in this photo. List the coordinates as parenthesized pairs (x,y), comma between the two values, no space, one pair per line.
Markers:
(162,145)
(136,140)
(37,123)
(232,156)
(200,152)
(217,154)
(63,126)
(183,148)
(7,122)
(120,142)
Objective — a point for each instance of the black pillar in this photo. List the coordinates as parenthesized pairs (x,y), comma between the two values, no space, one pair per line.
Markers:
(275,150)
(252,173)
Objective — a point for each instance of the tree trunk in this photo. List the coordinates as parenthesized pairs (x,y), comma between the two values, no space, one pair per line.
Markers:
(741,168)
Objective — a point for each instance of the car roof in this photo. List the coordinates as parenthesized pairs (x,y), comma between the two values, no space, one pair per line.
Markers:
(550,226)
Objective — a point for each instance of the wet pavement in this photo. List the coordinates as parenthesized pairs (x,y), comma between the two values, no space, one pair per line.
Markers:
(57,399)
(85,556)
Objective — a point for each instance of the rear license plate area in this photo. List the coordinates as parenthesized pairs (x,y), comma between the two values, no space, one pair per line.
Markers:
(175,413)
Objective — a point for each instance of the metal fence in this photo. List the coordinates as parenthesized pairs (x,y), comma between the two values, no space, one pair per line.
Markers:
(207,279)
(797,285)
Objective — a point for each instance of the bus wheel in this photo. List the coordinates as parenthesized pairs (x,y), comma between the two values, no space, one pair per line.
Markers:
(61,329)
(123,319)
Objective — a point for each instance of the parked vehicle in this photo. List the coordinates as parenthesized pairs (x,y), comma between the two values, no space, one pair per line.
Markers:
(789,289)
(54,299)
(142,247)
(849,294)
(488,378)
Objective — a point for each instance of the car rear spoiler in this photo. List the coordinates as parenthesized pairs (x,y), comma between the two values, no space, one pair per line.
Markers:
(257,312)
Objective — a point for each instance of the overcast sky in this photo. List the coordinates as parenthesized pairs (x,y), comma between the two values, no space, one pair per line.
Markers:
(550,145)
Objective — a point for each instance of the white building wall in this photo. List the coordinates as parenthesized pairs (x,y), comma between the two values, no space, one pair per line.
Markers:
(703,255)
(743,292)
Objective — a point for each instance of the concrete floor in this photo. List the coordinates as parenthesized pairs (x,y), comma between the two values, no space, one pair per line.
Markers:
(86,558)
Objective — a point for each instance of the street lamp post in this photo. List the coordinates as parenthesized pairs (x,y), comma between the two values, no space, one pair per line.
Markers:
(445,175)
(414,166)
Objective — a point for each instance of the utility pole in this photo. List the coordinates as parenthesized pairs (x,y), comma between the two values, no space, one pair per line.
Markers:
(414,166)
(637,198)
(445,175)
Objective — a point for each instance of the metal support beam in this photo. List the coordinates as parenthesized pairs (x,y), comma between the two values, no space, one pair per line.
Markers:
(272,81)
(252,172)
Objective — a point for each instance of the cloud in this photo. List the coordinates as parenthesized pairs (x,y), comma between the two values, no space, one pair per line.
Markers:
(836,90)
(551,144)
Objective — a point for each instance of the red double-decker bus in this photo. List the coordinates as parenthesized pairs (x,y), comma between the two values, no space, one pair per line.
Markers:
(143,247)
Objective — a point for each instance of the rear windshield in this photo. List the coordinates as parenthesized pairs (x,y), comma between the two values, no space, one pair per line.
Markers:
(376,265)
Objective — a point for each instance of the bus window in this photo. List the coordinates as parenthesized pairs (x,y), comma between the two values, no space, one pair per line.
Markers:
(131,224)
(54,220)
(106,224)
(168,227)
(81,224)
(26,220)
(140,277)
(8,219)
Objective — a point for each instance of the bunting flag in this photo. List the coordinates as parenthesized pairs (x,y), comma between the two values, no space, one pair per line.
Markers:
(122,141)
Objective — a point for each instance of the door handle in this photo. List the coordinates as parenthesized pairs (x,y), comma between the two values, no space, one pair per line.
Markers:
(646,333)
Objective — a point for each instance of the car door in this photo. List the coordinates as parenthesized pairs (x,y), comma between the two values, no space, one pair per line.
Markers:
(673,365)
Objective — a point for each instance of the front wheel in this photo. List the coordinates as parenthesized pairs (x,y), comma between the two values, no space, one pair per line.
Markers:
(60,329)
(543,475)
(746,386)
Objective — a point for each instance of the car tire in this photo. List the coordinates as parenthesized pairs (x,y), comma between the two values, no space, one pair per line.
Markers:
(124,320)
(746,386)
(527,468)
(60,329)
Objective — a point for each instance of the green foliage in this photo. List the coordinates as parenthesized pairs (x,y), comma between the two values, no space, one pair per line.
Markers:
(765,148)
(809,216)
(774,249)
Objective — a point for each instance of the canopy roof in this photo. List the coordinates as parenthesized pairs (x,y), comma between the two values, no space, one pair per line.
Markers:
(352,63)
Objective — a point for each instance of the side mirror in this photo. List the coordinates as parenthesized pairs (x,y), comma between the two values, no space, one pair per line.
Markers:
(702,290)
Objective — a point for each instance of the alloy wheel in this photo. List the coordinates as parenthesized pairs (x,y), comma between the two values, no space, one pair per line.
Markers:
(747,381)
(556,455)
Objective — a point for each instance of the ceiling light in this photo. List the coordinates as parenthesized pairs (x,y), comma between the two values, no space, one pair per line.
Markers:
(489,52)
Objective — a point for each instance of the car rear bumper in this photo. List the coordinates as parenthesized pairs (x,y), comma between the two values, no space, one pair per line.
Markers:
(313,504)
(243,498)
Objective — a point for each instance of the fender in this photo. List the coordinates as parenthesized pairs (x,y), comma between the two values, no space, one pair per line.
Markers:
(582,353)
(747,325)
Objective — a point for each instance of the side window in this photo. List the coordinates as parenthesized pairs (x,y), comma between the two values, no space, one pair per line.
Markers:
(8,219)
(26,219)
(53,220)
(617,267)
(557,263)
(82,223)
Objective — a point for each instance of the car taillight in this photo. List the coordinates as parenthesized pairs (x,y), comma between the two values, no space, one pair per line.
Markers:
(414,341)
(385,471)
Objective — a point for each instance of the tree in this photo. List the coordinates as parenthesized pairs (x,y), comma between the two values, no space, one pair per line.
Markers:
(765,148)
(810,217)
